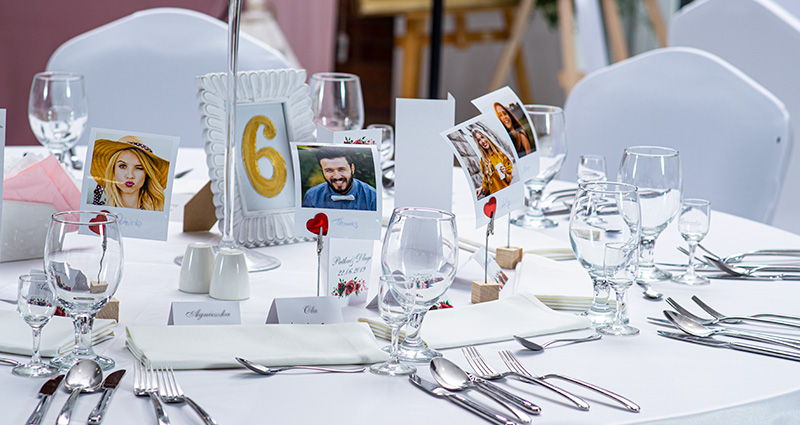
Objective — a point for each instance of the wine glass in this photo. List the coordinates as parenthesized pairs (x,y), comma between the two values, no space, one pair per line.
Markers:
(421,245)
(620,265)
(548,122)
(395,302)
(336,100)
(58,111)
(386,149)
(36,305)
(591,168)
(656,171)
(83,259)
(693,223)
(603,212)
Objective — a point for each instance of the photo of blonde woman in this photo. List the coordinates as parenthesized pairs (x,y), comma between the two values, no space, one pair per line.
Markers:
(496,167)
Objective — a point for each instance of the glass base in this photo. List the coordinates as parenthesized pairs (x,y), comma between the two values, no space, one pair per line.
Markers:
(35,370)
(618,330)
(66,361)
(652,274)
(417,354)
(691,279)
(256,261)
(392,369)
(533,222)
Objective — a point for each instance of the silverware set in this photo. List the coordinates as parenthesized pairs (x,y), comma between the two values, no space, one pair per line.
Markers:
(701,330)
(452,380)
(733,267)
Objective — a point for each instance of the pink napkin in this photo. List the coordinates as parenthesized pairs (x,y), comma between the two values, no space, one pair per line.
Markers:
(44,182)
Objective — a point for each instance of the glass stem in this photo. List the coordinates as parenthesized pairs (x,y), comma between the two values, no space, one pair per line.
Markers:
(620,315)
(533,199)
(83,335)
(648,245)
(414,326)
(37,339)
(690,268)
(393,355)
(234,17)
(601,293)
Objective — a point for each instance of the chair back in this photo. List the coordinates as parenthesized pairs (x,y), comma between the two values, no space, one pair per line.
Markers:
(763,40)
(140,70)
(733,135)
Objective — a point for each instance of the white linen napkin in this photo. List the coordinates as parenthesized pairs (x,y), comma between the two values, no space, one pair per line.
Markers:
(58,335)
(561,286)
(216,346)
(530,241)
(520,314)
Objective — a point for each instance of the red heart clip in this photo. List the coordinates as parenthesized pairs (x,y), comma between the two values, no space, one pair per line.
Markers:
(99,218)
(320,221)
(490,207)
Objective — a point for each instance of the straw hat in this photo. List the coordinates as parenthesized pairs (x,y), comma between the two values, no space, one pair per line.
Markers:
(104,149)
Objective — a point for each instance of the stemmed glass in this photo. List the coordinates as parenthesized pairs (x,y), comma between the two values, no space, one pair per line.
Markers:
(386,149)
(83,258)
(58,111)
(603,212)
(395,302)
(693,223)
(336,100)
(656,171)
(548,122)
(591,168)
(36,304)
(620,265)
(421,245)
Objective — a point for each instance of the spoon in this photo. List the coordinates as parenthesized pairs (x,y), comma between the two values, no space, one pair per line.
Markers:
(83,376)
(649,292)
(450,376)
(694,328)
(9,362)
(748,271)
(264,370)
(530,345)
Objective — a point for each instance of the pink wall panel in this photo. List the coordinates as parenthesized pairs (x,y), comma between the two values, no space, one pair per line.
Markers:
(310,28)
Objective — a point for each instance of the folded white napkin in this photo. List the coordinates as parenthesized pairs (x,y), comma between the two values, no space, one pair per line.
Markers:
(530,241)
(216,346)
(561,286)
(520,314)
(58,335)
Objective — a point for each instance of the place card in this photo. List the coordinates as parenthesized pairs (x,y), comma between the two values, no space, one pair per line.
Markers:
(305,310)
(346,267)
(204,313)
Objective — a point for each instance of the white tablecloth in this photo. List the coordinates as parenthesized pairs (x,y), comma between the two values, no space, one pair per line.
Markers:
(674,382)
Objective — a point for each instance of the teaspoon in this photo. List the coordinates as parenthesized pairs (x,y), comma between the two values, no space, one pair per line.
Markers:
(530,345)
(264,370)
(83,376)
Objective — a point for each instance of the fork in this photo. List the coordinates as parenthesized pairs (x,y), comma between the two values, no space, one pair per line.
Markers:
(724,319)
(171,392)
(513,364)
(485,371)
(144,385)
(717,314)
(735,258)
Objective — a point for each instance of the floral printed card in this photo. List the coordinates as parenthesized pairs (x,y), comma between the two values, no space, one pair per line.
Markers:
(346,267)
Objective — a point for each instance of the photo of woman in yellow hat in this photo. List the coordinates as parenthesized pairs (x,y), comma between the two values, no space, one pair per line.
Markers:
(128,175)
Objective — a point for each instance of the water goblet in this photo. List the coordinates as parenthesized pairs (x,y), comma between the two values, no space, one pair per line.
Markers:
(336,100)
(620,266)
(591,168)
(36,305)
(656,171)
(548,122)
(58,111)
(603,212)
(421,244)
(83,259)
(693,223)
(395,303)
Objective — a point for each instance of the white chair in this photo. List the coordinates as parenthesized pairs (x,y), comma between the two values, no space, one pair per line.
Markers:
(732,134)
(763,40)
(140,70)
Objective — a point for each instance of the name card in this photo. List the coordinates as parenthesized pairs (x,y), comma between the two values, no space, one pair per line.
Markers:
(205,313)
(346,268)
(305,310)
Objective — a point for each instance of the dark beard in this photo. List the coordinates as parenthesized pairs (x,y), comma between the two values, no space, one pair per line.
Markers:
(346,189)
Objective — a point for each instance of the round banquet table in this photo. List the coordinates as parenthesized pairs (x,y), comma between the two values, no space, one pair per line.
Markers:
(672,381)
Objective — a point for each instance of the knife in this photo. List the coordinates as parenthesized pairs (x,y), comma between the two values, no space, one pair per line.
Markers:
(45,395)
(109,385)
(750,348)
(469,404)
